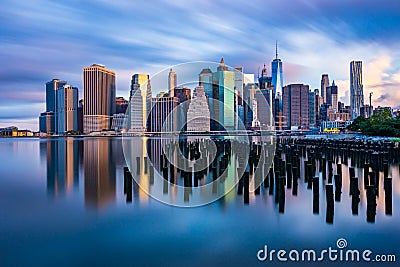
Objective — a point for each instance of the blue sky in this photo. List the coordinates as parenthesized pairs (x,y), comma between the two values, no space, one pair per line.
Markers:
(41,40)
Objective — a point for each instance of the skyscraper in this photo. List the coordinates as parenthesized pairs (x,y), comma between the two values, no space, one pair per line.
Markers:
(264,81)
(172,82)
(80,116)
(198,115)
(248,97)
(223,90)
(121,105)
(51,106)
(51,93)
(311,105)
(205,80)
(67,109)
(318,104)
(239,80)
(140,102)
(99,95)
(262,113)
(265,114)
(183,94)
(277,82)
(356,88)
(296,105)
(47,122)
(324,84)
(332,96)
(163,119)
(277,79)
(61,108)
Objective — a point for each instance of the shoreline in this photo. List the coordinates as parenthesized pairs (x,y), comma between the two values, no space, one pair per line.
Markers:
(355,136)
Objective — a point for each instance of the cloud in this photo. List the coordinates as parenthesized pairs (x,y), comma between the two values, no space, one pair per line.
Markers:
(43,39)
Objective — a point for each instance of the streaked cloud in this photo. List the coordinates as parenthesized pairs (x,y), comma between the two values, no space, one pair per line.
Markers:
(44,39)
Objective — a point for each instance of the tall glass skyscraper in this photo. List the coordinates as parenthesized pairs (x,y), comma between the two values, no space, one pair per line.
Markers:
(205,80)
(223,90)
(51,94)
(51,103)
(356,89)
(277,79)
(61,108)
(140,102)
(324,84)
(277,82)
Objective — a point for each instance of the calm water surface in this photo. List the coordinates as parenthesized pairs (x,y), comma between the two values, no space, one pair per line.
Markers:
(62,203)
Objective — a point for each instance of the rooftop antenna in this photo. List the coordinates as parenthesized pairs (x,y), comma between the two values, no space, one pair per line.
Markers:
(276,49)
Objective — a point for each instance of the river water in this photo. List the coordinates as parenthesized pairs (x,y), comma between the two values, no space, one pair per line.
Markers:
(63,203)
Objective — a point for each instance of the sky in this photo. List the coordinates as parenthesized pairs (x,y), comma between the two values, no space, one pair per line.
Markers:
(42,40)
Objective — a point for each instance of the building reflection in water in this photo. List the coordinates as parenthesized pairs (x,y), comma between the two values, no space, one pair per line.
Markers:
(321,175)
(62,165)
(99,172)
(189,171)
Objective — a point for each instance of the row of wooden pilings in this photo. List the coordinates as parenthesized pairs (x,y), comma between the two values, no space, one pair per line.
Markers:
(312,161)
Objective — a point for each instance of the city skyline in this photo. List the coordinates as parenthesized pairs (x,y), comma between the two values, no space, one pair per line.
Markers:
(310,44)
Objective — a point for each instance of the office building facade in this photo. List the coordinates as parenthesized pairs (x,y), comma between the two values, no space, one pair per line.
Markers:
(67,109)
(99,95)
(198,115)
(296,106)
(224,92)
(140,102)
(356,89)
(172,82)
(324,84)
(163,119)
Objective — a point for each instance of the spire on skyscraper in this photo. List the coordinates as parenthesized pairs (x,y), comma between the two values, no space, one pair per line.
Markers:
(222,66)
(276,49)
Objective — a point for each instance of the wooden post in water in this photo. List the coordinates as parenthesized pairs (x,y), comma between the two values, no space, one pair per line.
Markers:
(271,181)
(126,170)
(316,195)
(366,172)
(323,168)
(329,203)
(266,179)
(305,171)
(371,203)
(338,187)
(129,188)
(309,179)
(281,195)
(277,186)
(289,175)
(388,195)
(246,187)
